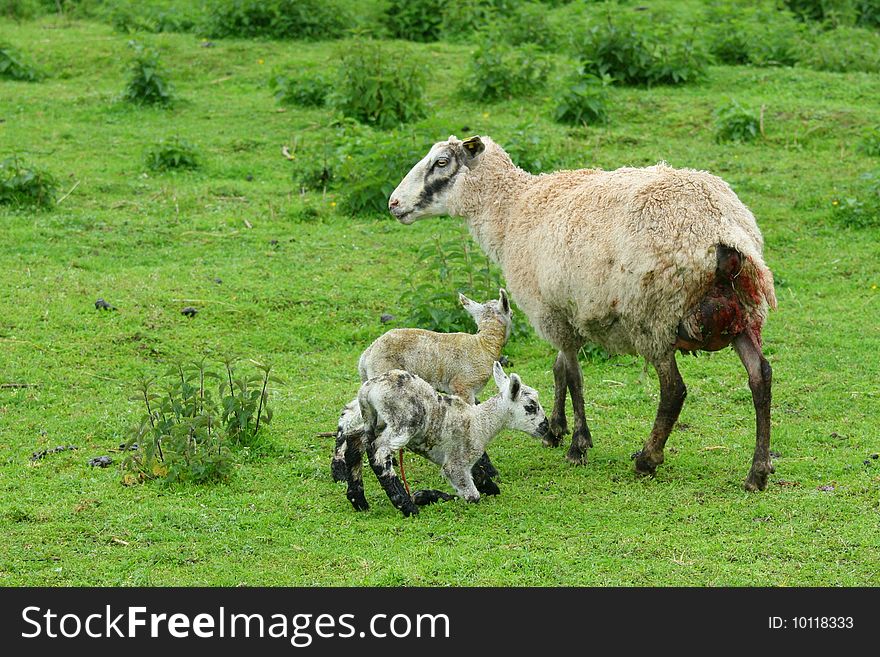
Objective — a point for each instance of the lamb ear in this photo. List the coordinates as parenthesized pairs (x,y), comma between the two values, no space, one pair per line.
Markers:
(473,146)
(505,302)
(499,375)
(515,387)
(473,308)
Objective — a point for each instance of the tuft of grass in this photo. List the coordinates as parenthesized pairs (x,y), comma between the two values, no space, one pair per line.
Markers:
(582,100)
(278,19)
(859,207)
(23,185)
(870,142)
(303,90)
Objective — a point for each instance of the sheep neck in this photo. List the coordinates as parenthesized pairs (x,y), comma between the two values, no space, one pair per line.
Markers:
(485,195)
(490,420)
(492,335)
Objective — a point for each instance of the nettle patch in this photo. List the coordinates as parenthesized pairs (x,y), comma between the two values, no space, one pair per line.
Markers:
(172,154)
(25,185)
(195,418)
(13,65)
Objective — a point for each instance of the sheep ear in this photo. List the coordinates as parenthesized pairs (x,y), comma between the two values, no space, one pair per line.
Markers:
(473,146)
(505,302)
(473,308)
(515,387)
(499,375)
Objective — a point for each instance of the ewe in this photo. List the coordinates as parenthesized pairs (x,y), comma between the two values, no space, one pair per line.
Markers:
(401,410)
(638,260)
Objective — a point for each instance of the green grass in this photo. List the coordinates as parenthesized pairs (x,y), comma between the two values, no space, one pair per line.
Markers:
(152,243)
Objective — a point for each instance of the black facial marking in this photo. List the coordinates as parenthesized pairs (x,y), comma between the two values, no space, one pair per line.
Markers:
(432,187)
(531,408)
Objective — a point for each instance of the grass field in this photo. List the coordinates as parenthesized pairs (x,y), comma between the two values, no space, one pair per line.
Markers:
(304,291)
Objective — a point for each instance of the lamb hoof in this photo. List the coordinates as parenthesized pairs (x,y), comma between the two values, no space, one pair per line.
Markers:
(426,496)
(486,466)
(576,456)
(488,487)
(409,509)
(359,503)
(554,437)
(338,470)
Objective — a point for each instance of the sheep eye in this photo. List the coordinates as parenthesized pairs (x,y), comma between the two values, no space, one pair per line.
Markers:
(442,162)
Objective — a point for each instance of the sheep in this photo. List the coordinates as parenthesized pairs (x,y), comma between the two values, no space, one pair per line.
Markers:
(643,261)
(401,410)
(455,363)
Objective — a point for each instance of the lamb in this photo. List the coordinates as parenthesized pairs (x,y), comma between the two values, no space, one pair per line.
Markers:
(455,363)
(401,410)
(643,261)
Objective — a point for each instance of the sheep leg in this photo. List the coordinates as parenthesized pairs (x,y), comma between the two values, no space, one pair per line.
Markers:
(354,465)
(558,423)
(483,478)
(672,395)
(581,440)
(485,466)
(748,348)
(383,467)
(337,466)
(462,481)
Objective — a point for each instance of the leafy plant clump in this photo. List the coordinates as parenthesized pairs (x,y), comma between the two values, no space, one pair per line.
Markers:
(415,20)
(305,91)
(278,19)
(23,185)
(187,432)
(14,67)
(870,143)
(733,122)
(444,267)
(379,86)
(583,100)
(634,57)
(147,84)
(842,50)
(859,207)
(173,153)
(498,72)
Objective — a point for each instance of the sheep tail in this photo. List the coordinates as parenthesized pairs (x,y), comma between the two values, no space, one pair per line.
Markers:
(754,282)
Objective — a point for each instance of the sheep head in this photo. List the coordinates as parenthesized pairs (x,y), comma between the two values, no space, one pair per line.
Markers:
(425,190)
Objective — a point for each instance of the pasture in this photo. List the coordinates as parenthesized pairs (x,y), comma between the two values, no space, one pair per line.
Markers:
(304,280)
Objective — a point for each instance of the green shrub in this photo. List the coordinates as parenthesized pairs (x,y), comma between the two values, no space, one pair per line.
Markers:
(870,142)
(278,19)
(19,10)
(583,100)
(147,84)
(634,57)
(415,20)
(187,432)
(836,12)
(743,34)
(498,72)
(733,122)
(173,153)
(533,149)
(860,206)
(14,67)
(379,86)
(841,50)
(527,23)
(441,269)
(305,91)
(23,185)
(129,16)
(372,164)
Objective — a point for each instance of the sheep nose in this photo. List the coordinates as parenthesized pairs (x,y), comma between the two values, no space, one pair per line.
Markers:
(393,203)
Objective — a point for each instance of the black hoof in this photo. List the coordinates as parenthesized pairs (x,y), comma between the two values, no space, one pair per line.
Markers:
(409,509)
(359,502)
(576,455)
(427,496)
(488,487)
(338,469)
(644,466)
(485,465)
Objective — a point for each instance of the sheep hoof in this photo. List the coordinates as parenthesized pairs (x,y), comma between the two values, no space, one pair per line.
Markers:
(758,475)
(488,487)
(359,503)
(338,470)
(576,456)
(645,467)
(427,496)
(554,437)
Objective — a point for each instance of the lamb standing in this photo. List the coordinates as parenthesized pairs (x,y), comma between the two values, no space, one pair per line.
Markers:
(638,260)
(402,410)
(455,363)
